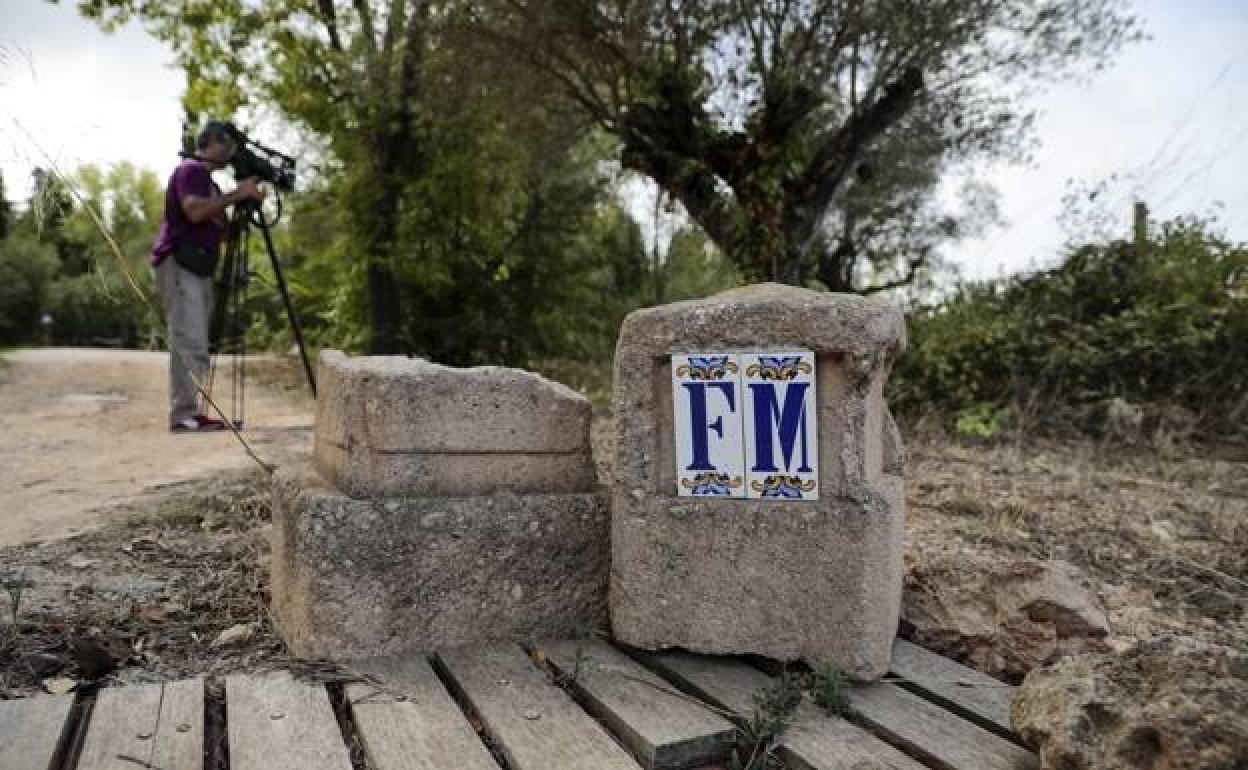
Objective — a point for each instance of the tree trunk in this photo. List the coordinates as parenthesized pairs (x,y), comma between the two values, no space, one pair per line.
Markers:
(383,308)
(836,266)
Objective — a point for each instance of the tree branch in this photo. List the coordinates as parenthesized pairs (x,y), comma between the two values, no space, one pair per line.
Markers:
(689,181)
(367,29)
(758,42)
(913,267)
(826,172)
(330,19)
(394,22)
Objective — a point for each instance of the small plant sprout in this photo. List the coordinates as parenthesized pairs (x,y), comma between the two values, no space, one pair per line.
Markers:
(829,688)
(15,585)
(772,716)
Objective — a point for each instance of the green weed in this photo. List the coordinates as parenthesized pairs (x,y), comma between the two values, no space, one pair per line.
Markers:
(829,688)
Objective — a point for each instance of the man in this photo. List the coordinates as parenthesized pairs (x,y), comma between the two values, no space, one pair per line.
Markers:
(184,257)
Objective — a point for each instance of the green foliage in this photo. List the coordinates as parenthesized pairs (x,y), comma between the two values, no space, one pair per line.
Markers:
(454,211)
(982,421)
(26,270)
(695,268)
(6,211)
(99,309)
(92,302)
(1164,325)
(829,688)
(496,261)
(15,585)
(57,261)
(771,717)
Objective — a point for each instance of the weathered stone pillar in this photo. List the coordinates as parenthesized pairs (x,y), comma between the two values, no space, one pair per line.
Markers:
(758,503)
(444,507)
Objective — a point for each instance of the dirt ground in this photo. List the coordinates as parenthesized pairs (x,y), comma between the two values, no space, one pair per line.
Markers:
(82,431)
(158,574)
(1162,536)
(126,550)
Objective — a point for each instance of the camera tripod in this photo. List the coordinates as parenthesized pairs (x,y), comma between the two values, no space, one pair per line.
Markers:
(230,317)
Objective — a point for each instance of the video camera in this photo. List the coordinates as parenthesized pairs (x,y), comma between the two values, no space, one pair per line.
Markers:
(252,159)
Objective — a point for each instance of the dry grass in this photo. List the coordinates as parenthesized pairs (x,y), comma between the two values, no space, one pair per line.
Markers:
(1166,537)
(153,588)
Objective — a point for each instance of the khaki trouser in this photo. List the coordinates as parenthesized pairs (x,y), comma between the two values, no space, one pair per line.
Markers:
(187,299)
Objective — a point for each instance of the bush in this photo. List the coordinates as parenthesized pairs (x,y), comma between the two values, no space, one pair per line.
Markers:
(99,309)
(26,269)
(1164,326)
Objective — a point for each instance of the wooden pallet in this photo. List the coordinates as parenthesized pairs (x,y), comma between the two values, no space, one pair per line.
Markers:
(564,705)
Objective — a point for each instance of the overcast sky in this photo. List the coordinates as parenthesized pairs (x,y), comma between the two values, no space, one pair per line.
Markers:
(1170,118)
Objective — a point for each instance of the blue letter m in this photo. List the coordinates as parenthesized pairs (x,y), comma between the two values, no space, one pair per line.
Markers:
(788,418)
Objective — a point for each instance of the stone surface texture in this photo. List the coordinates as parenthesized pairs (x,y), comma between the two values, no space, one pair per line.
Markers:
(358,578)
(1170,702)
(389,426)
(1002,617)
(810,580)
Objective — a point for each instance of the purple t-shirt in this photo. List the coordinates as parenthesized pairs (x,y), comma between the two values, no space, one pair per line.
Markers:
(191,177)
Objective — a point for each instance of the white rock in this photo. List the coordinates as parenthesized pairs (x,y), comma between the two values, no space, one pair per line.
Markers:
(60,685)
(236,635)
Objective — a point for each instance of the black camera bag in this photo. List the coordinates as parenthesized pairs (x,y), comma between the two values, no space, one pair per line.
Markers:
(196,258)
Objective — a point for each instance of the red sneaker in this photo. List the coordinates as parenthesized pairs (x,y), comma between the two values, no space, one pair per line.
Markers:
(209,424)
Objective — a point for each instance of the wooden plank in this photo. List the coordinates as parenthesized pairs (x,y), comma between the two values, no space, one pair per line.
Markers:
(277,723)
(154,725)
(31,730)
(963,690)
(814,740)
(942,737)
(661,729)
(407,720)
(536,725)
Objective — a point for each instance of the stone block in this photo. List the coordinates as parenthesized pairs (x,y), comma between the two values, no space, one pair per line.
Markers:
(388,426)
(788,579)
(358,578)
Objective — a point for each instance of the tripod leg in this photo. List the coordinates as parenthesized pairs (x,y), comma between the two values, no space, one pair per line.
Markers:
(226,329)
(290,309)
(221,303)
(240,320)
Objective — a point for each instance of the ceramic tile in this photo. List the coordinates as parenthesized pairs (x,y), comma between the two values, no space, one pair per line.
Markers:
(707,411)
(780,424)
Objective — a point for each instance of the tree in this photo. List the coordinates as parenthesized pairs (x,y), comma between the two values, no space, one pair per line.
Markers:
(442,174)
(6,211)
(805,135)
(90,299)
(50,204)
(695,268)
(26,268)
(350,72)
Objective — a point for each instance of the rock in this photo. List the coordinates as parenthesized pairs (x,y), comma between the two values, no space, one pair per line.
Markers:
(235,636)
(1001,616)
(388,426)
(809,579)
(1167,703)
(1123,419)
(60,685)
(358,578)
